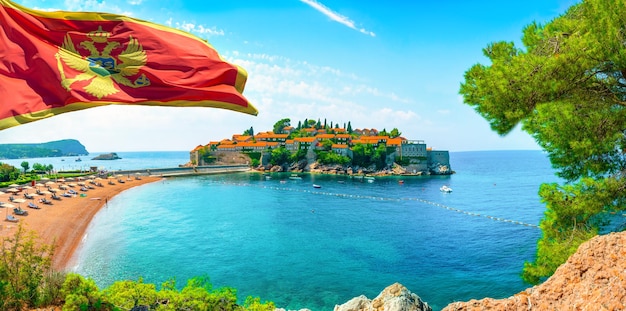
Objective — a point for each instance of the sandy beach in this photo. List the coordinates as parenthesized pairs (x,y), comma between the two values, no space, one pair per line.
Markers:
(64,222)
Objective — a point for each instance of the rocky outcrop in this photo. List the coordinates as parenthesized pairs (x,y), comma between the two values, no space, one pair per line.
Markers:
(440,169)
(393,298)
(107,156)
(594,278)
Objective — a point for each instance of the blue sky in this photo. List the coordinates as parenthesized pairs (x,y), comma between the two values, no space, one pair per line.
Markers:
(377,64)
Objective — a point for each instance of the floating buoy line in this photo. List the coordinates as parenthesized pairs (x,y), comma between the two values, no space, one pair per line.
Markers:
(377,198)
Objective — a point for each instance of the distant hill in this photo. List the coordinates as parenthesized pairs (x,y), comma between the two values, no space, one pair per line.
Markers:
(59,148)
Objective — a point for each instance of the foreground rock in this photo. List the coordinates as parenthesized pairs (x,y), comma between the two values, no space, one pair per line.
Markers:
(594,278)
(393,298)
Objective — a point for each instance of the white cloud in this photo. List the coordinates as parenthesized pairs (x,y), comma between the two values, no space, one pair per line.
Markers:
(337,17)
(197,29)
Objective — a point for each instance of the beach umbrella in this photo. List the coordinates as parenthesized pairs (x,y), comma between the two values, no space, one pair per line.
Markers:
(80,178)
(72,184)
(13,185)
(44,178)
(46,192)
(50,183)
(19,201)
(14,190)
(8,205)
(39,185)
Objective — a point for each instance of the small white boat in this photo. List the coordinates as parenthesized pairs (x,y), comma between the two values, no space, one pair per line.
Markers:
(295,177)
(316,186)
(445,188)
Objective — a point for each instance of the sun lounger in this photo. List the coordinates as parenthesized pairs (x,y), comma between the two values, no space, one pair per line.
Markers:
(19,211)
(11,218)
(33,205)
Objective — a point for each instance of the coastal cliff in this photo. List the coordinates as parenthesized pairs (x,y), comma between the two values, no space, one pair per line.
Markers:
(593,278)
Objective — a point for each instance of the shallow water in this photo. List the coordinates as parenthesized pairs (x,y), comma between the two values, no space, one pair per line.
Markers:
(303,247)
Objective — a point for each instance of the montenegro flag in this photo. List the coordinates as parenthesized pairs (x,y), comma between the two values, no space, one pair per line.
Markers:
(56,62)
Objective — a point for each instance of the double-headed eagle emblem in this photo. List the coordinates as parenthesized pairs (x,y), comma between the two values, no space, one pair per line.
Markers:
(100,68)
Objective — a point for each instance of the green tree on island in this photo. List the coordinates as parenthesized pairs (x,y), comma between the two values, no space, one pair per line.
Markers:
(25,166)
(567,88)
(279,127)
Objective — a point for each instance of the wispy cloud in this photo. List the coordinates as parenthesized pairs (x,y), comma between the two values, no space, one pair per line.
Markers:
(337,17)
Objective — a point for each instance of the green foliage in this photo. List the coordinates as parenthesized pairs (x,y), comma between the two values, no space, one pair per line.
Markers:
(567,88)
(129,294)
(8,173)
(25,166)
(82,294)
(206,157)
(395,133)
(26,276)
(380,156)
(362,155)
(249,131)
(366,155)
(255,304)
(327,144)
(27,281)
(255,158)
(280,125)
(329,157)
(41,168)
(280,156)
(298,155)
(574,214)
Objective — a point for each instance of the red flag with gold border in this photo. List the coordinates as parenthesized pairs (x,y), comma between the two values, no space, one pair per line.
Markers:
(57,62)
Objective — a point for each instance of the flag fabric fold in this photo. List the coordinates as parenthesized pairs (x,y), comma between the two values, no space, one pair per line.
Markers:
(57,62)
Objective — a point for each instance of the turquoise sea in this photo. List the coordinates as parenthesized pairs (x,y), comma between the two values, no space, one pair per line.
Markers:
(305,247)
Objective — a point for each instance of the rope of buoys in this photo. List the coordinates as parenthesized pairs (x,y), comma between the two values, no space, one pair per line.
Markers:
(376,198)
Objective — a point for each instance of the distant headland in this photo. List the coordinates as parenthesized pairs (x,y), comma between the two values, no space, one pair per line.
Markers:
(58,148)
(315,146)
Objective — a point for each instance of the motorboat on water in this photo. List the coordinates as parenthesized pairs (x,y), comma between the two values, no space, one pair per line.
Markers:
(445,188)
(316,186)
